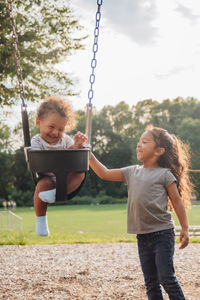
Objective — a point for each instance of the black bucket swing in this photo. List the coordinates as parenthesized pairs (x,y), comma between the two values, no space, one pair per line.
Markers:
(59,162)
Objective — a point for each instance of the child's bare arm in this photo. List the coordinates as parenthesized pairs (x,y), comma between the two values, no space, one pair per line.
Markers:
(103,172)
(180,212)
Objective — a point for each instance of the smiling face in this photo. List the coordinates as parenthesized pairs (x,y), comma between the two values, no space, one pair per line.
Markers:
(147,151)
(52,127)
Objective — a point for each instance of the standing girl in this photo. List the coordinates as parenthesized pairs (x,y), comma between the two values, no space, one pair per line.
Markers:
(54,117)
(163,176)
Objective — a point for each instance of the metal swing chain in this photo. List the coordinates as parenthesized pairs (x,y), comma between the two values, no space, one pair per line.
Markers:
(17,54)
(88,128)
(25,123)
(95,49)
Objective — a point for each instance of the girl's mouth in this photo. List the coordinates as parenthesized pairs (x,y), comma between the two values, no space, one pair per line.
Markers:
(53,139)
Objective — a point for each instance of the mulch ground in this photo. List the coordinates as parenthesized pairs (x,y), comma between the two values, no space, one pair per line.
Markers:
(86,272)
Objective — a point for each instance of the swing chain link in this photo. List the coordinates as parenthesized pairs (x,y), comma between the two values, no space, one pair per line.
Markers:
(95,49)
(17,54)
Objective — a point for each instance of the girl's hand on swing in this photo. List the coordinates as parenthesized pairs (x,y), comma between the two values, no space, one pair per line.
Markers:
(80,140)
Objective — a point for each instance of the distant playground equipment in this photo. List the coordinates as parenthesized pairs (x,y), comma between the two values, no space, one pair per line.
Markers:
(9,221)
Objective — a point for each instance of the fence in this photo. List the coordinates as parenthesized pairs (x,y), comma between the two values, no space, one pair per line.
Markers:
(194,230)
(10,221)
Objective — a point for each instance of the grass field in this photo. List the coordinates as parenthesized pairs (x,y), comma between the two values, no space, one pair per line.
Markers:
(80,224)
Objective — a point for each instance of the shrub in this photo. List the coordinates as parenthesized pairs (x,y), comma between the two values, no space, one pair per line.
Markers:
(22,198)
(100,199)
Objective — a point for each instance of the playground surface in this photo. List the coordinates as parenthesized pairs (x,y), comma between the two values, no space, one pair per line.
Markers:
(109,271)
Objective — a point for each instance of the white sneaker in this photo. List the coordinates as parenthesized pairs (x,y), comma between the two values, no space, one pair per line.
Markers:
(48,196)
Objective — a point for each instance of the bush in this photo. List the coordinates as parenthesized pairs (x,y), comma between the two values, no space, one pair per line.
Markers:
(100,199)
(22,198)
(25,198)
(81,200)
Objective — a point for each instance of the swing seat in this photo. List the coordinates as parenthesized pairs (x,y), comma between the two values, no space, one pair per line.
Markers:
(59,162)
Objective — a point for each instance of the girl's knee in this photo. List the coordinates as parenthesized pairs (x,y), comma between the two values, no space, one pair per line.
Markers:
(81,176)
(75,177)
(74,180)
(44,184)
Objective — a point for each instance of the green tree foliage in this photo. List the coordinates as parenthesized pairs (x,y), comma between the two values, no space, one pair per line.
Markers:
(33,130)
(22,178)
(6,175)
(5,140)
(189,130)
(6,162)
(47,33)
(115,133)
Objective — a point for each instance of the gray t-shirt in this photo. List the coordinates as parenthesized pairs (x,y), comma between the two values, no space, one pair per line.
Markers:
(147,208)
(37,143)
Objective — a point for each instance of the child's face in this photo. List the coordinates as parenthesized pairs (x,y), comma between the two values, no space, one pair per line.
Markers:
(52,127)
(146,147)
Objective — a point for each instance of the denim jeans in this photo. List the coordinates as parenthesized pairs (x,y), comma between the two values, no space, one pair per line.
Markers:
(156,251)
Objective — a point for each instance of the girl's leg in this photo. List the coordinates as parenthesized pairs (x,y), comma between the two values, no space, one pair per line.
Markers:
(164,251)
(74,179)
(40,207)
(43,184)
(147,260)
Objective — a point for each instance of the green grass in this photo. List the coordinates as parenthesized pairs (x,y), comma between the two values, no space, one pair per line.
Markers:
(193,215)
(80,224)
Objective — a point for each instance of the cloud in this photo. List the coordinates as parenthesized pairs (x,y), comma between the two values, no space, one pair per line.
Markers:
(176,70)
(132,18)
(187,13)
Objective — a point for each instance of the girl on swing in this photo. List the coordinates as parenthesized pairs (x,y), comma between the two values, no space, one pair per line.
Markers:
(54,117)
(163,175)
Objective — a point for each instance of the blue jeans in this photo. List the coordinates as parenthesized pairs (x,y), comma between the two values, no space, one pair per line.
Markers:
(156,251)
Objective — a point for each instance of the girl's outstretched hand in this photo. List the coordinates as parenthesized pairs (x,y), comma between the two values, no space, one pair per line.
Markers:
(184,239)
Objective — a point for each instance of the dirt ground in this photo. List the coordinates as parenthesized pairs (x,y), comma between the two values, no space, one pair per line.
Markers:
(86,272)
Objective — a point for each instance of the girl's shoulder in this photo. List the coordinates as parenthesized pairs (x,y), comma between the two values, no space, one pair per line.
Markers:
(165,172)
(164,176)
(131,168)
(36,141)
(35,137)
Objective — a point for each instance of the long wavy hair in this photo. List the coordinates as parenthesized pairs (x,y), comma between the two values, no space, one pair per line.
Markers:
(176,158)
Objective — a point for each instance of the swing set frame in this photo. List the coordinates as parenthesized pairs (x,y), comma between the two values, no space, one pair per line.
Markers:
(59,162)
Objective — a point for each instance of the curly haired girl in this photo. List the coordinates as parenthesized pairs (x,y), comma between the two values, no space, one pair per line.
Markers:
(163,175)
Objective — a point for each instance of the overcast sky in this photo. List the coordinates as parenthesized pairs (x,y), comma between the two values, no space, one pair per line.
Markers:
(147,49)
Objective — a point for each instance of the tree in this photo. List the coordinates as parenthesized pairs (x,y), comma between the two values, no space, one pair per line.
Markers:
(5,139)
(6,159)
(189,132)
(33,130)
(22,177)
(115,133)
(47,33)
(6,175)
(111,144)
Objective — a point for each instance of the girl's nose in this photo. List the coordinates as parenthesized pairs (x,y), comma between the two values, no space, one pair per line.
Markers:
(55,132)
